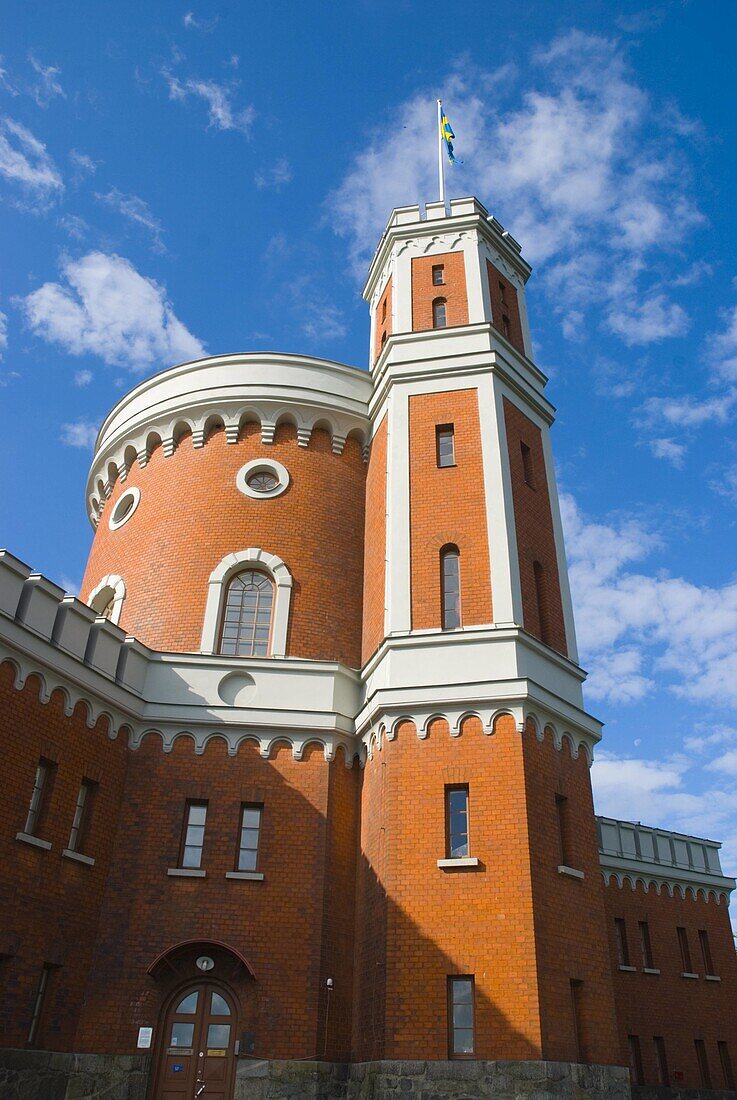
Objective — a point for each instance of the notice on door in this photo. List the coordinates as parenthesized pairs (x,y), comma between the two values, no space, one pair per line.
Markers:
(145,1035)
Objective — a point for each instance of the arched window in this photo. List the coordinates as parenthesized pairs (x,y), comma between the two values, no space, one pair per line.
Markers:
(246,625)
(450,587)
(439,315)
(107,597)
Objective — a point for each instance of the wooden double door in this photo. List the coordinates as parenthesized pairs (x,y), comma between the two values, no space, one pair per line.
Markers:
(197,1046)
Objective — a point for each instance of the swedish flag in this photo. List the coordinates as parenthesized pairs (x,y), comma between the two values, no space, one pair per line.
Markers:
(446,132)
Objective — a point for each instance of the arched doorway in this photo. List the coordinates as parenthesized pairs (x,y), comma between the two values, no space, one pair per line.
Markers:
(196,1049)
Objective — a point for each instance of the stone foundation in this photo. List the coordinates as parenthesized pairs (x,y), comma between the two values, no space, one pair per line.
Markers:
(47,1075)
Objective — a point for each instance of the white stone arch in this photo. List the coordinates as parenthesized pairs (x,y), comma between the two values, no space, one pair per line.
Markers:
(116,585)
(217,584)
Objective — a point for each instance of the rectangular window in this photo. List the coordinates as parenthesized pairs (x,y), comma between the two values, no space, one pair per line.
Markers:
(633,1042)
(38,1005)
(193,838)
(527,467)
(456,822)
(42,784)
(703,1061)
(82,815)
(577,1007)
(685,950)
(461,1017)
(661,1059)
(445,445)
(623,951)
(450,587)
(706,951)
(564,830)
(726,1064)
(438,275)
(249,838)
(646,945)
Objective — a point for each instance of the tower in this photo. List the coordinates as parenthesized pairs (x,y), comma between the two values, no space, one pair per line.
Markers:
(481,867)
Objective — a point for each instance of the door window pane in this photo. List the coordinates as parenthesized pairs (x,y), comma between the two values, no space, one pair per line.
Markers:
(219,1006)
(181,1035)
(188,1004)
(218,1036)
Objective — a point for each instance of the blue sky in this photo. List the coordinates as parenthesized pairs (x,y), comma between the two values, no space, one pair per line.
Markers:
(214,178)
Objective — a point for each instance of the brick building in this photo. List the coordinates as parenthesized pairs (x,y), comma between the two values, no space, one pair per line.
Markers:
(297,794)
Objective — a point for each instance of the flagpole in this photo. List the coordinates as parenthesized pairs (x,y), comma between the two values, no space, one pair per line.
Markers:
(441,165)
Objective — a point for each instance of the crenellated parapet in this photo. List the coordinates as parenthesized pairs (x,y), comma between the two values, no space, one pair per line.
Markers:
(227,392)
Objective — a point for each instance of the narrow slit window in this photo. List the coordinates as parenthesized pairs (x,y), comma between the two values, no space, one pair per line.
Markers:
(450,585)
(702,1059)
(246,625)
(193,838)
(706,952)
(503,293)
(82,815)
(445,445)
(623,951)
(383,310)
(541,599)
(562,811)
(685,950)
(438,275)
(635,1053)
(42,783)
(662,1060)
(646,945)
(577,1009)
(248,839)
(439,313)
(38,1005)
(461,1017)
(456,822)
(505,326)
(383,339)
(726,1061)
(528,470)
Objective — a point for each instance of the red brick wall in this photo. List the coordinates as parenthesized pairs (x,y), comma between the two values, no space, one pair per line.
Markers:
(506,306)
(447,506)
(383,319)
(191,515)
(418,924)
(570,930)
(374,577)
(424,293)
(666,1004)
(277,924)
(51,904)
(534,527)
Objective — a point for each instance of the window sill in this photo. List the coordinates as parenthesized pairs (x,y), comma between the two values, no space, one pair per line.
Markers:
(650,970)
(688,974)
(78,857)
(462,862)
(571,872)
(185,872)
(249,876)
(36,841)
(712,978)
(627,969)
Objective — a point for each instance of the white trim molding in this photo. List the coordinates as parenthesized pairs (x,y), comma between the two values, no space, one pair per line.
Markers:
(116,585)
(262,466)
(217,584)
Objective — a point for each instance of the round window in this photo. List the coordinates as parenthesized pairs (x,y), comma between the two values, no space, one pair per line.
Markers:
(262,479)
(124,508)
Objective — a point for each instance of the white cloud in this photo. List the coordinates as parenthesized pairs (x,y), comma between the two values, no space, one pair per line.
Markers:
(3,333)
(620,610)
(48,86)
(25,163)
(687,411)
(218,97)
(138,211)
(82,162)
(6,83)
(275,177)
(81,433)
(576,167)
(669,450)
(105,307)
(723,348)
(74,226)
(725,484)
(83,377)
(193,24)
